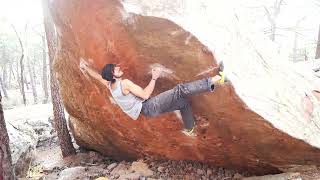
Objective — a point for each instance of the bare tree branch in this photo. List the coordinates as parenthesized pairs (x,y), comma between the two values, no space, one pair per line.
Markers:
(277,7)
(272,16)
(21,66)
(268,14)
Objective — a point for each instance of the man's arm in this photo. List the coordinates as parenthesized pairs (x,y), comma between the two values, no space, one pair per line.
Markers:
(147,91)
(93,73)
(138,91)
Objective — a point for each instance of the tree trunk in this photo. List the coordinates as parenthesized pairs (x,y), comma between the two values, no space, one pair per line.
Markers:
(6,168)
(4,69)
(18,77)
(59,117)
(58,110)
(3,82)
(272,16)
(294,54)
(318,46)
(3,87)
(306,55)
(295,45)
(33,85)
(25,81)
(11,74)
(44,71)
(273,31)
(5,76)
(21,68)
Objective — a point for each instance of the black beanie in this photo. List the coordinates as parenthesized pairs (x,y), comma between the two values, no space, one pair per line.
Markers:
(107,72)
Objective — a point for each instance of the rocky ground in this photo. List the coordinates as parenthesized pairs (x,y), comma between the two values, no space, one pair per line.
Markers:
(48,164)
(86,165)
(34,142)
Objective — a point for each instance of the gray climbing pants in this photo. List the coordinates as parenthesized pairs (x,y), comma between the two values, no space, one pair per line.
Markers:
(177,99)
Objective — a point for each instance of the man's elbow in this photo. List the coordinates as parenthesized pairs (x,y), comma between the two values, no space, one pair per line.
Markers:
(145,97)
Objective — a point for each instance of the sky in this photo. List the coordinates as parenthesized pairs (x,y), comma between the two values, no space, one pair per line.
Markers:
(19,12)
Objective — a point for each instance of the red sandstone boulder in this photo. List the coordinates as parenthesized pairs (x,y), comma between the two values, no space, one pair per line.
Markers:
(256,122)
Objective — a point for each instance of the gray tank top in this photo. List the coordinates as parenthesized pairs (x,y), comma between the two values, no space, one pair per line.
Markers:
(130,104)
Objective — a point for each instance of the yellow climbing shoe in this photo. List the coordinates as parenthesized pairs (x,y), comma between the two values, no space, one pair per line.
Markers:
(221,73)
(188,132)
(223,77)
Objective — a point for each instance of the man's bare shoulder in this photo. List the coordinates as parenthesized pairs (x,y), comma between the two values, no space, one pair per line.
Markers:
(127,83)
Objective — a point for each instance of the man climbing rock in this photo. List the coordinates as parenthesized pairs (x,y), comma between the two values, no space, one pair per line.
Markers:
(134,100)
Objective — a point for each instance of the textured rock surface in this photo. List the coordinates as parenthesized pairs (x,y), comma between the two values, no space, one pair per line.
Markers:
(28,128)
(231,131)
(287,176)
(23,141)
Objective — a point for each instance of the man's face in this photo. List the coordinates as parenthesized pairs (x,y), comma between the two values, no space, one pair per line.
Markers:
(117,72)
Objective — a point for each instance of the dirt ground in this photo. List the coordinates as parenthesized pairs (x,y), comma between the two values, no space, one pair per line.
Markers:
(89,165)
(49,164)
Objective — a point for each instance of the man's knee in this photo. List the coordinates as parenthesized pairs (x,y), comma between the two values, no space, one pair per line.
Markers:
(180,90)
(184,103)
(147,110)
(178,87)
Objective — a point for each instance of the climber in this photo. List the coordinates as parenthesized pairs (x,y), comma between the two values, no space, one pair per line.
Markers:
(134,100)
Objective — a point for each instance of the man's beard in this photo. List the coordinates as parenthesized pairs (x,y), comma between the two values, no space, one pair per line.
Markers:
(118,76)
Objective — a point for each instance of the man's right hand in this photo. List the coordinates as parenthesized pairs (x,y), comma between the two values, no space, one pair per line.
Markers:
(84,68)
(83,64)
(156,72)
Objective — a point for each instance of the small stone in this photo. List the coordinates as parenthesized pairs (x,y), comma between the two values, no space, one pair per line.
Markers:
(111,166)
(209,172)
(220,170)
(120,169)
(189,168)
(132,176)
(200,171)
(142,168)
(228,173)
(116,176)
(214,170)
(237,176)
(106,171)
(160,169)
(167,170)
(94,155)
